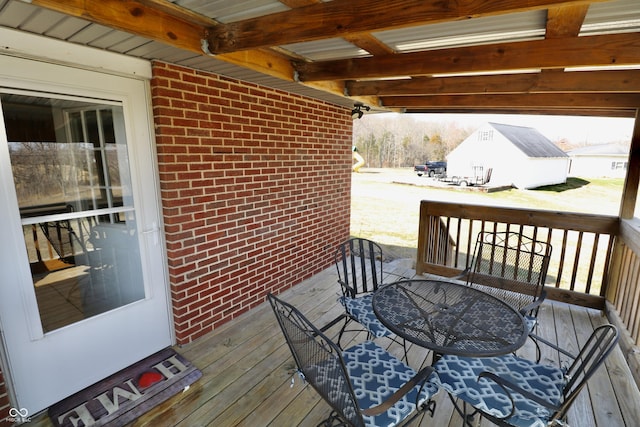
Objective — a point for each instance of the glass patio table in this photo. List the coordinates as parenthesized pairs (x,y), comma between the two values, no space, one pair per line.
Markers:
(450,318)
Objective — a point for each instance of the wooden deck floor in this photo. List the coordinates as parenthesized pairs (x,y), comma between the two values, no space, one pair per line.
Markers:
(249,379)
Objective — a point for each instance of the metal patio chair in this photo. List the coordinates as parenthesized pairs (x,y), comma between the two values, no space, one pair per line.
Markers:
(513,268)
(360,272)
(365,385)
(511,391)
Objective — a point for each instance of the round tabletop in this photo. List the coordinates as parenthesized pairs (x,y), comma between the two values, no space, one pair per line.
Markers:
(450,318)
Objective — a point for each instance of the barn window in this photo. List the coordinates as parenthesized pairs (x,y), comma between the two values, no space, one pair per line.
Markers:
(486,135)
(618,165)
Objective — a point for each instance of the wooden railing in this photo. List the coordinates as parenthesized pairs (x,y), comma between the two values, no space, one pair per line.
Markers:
(623,292)
(583,244)
(595,261)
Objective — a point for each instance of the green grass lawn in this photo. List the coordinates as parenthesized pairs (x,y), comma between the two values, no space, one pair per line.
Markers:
(595,195)
(388,212)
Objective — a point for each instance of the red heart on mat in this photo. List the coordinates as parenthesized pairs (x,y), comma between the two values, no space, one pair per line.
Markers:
(149,378)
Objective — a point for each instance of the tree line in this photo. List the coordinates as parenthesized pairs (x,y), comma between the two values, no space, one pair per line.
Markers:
(402,140)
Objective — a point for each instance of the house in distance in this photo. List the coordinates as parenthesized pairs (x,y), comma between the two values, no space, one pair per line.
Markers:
(599,161)
(518,156)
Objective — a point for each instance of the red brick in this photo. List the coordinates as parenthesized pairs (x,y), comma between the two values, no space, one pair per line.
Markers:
(255,186)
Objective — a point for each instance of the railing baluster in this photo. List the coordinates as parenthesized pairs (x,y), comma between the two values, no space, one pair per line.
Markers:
(594,253)
(576,261)
(563,251)
(628,276)
(634,297)
(457,242)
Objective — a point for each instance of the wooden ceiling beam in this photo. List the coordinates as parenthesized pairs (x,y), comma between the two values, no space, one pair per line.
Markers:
(609,101)
(623,81)
(293,4)
(138,17)
(565,21)
(339,18)
(562,22)
(628,113)
(364,41)
(169,24)
(369,43)
(174,26)
(591,51)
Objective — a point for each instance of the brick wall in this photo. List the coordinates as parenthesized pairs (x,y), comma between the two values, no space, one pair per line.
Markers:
(255,187)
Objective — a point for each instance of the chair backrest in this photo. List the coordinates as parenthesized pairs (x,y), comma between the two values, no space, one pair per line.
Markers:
(592,355)
(513,265)
(64,240)
(359,265)
(319,360)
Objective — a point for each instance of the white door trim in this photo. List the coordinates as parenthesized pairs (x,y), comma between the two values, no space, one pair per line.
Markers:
(21,44)
(20,71)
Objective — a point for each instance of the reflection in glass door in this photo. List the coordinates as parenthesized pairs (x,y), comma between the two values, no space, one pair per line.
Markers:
(71,174)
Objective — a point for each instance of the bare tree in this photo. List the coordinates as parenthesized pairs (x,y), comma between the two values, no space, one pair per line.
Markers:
(402,140)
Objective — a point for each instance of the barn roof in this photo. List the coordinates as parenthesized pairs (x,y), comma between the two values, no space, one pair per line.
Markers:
(601,150)
(529,141)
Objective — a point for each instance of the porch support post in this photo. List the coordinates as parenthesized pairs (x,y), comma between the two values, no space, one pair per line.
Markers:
(630,190)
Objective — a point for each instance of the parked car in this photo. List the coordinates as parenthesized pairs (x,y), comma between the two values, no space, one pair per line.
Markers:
(431,169)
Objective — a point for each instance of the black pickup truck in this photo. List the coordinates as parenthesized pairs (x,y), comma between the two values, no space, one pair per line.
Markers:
(431,169)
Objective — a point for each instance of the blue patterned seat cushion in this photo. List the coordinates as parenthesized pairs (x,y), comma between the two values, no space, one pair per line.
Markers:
(504,295)
(459,376)
(361,309)
(375,375)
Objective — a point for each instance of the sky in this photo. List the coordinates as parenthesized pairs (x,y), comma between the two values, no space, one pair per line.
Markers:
(577,130)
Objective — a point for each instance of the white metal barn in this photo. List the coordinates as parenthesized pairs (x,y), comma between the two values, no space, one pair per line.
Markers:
(519,156)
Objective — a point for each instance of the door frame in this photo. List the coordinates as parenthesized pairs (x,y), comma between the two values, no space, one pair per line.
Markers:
(40,52)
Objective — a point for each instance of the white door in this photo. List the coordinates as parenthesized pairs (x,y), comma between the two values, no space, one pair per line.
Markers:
(83,286)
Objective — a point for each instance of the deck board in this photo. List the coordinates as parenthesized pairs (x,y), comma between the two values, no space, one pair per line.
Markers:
(248,370)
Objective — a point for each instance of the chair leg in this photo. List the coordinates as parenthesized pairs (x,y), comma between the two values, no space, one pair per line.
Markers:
(538,350)
(429,407)
(535,342)
(334,420)
(347,319)
(467,419)
(405,348)
(370,336)
(425,361)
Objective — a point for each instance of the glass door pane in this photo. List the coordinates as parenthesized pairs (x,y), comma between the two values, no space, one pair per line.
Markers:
(71,173)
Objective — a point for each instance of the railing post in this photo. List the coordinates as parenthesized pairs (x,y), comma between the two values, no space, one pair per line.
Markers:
(613,279)
(422,238)
(630,189)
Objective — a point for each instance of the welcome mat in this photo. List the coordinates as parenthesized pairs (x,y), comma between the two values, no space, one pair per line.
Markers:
(126,395)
